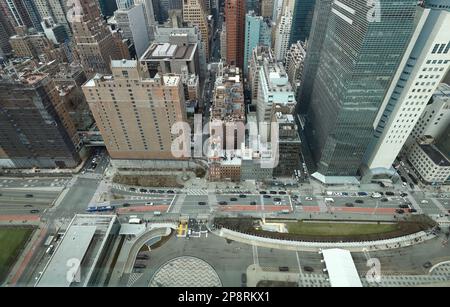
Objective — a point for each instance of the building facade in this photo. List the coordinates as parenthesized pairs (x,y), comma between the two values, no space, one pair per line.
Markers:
(235,19)
(135,112)
(353,72)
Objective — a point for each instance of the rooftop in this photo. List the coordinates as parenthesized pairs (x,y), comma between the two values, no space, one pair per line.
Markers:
(435,155)
(158,51)
(123,63)
(81,245)
(341,268)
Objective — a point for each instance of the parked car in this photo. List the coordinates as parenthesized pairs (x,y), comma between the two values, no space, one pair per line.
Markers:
(359,201)
(233,199)
(201,203)
(390,193)
(384,199)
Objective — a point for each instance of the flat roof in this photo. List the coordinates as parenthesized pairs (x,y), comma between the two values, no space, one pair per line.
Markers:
(341,268)
(74,245)
(435,155)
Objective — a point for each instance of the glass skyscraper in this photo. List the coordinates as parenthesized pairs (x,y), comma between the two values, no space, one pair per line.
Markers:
(302,20)
(354,62)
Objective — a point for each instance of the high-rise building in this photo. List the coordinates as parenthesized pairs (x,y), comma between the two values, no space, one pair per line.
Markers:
(235,19)
(124,4)
(282,34)
(185,35)
(357,61)
(57,10)
(266,7)
(95,44)
(302,20)
(23,13)
(131,22)
(252,5)
(5,33)
(273,89)
(30,45)
(134,112)
(107,7)
(223,42)
(149,16)
(194,14)
(54,32)
(294,64)
(258,31)
(436,117)
(422,68)
(260,55)
(35,128)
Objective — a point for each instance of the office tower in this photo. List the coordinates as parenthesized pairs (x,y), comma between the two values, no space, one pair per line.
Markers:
(273,89)
(107,7)
(124,4)
(289,143)
(30,45)
(22,13)
(436,117)
(95,44)
(295,60)
(357,60)
(223,42)
(54,32)
(131,21)
(149,16)
(266,7)
(35,129)
(235,19)
(258,31)
(57,10)
(430,159)
(187,36)
(422,68)
(302,20)
(260,56)
(282,34)
(194,14)
(5,34)
(252,5)
(135,112)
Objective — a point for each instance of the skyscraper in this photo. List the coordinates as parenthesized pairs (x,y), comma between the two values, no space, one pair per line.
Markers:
(194,13)
(94,41)
(35,130)
(358,58)
(131,21)
(235,19)
(422,69)
(302,20)
(134,112)
(258,31)
(282,34)
(266,7)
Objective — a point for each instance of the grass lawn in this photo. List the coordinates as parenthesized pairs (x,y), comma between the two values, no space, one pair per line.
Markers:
(338,229)
(12,240)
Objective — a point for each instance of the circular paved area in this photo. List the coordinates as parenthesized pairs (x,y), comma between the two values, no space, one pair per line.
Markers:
(186,272)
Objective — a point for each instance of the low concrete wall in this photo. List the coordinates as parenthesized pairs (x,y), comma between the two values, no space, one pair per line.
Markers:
(317,246)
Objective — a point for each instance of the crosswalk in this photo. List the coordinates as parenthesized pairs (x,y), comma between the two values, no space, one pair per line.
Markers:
(134,277)
(198,192)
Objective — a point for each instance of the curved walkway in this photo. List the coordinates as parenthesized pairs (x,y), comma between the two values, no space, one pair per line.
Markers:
(157,231)
(363,246)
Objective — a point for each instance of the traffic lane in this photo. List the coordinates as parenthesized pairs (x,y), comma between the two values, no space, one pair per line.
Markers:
(142,202)
(272,259)
(34,182)
(24,192)
(367,203)
(284,200)
(427,205)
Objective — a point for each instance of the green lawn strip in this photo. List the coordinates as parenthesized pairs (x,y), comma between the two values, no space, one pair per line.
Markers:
(12,240)
(338,229)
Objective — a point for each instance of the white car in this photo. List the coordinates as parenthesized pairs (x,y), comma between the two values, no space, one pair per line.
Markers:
(149,204)
(424,201)
(308,198)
